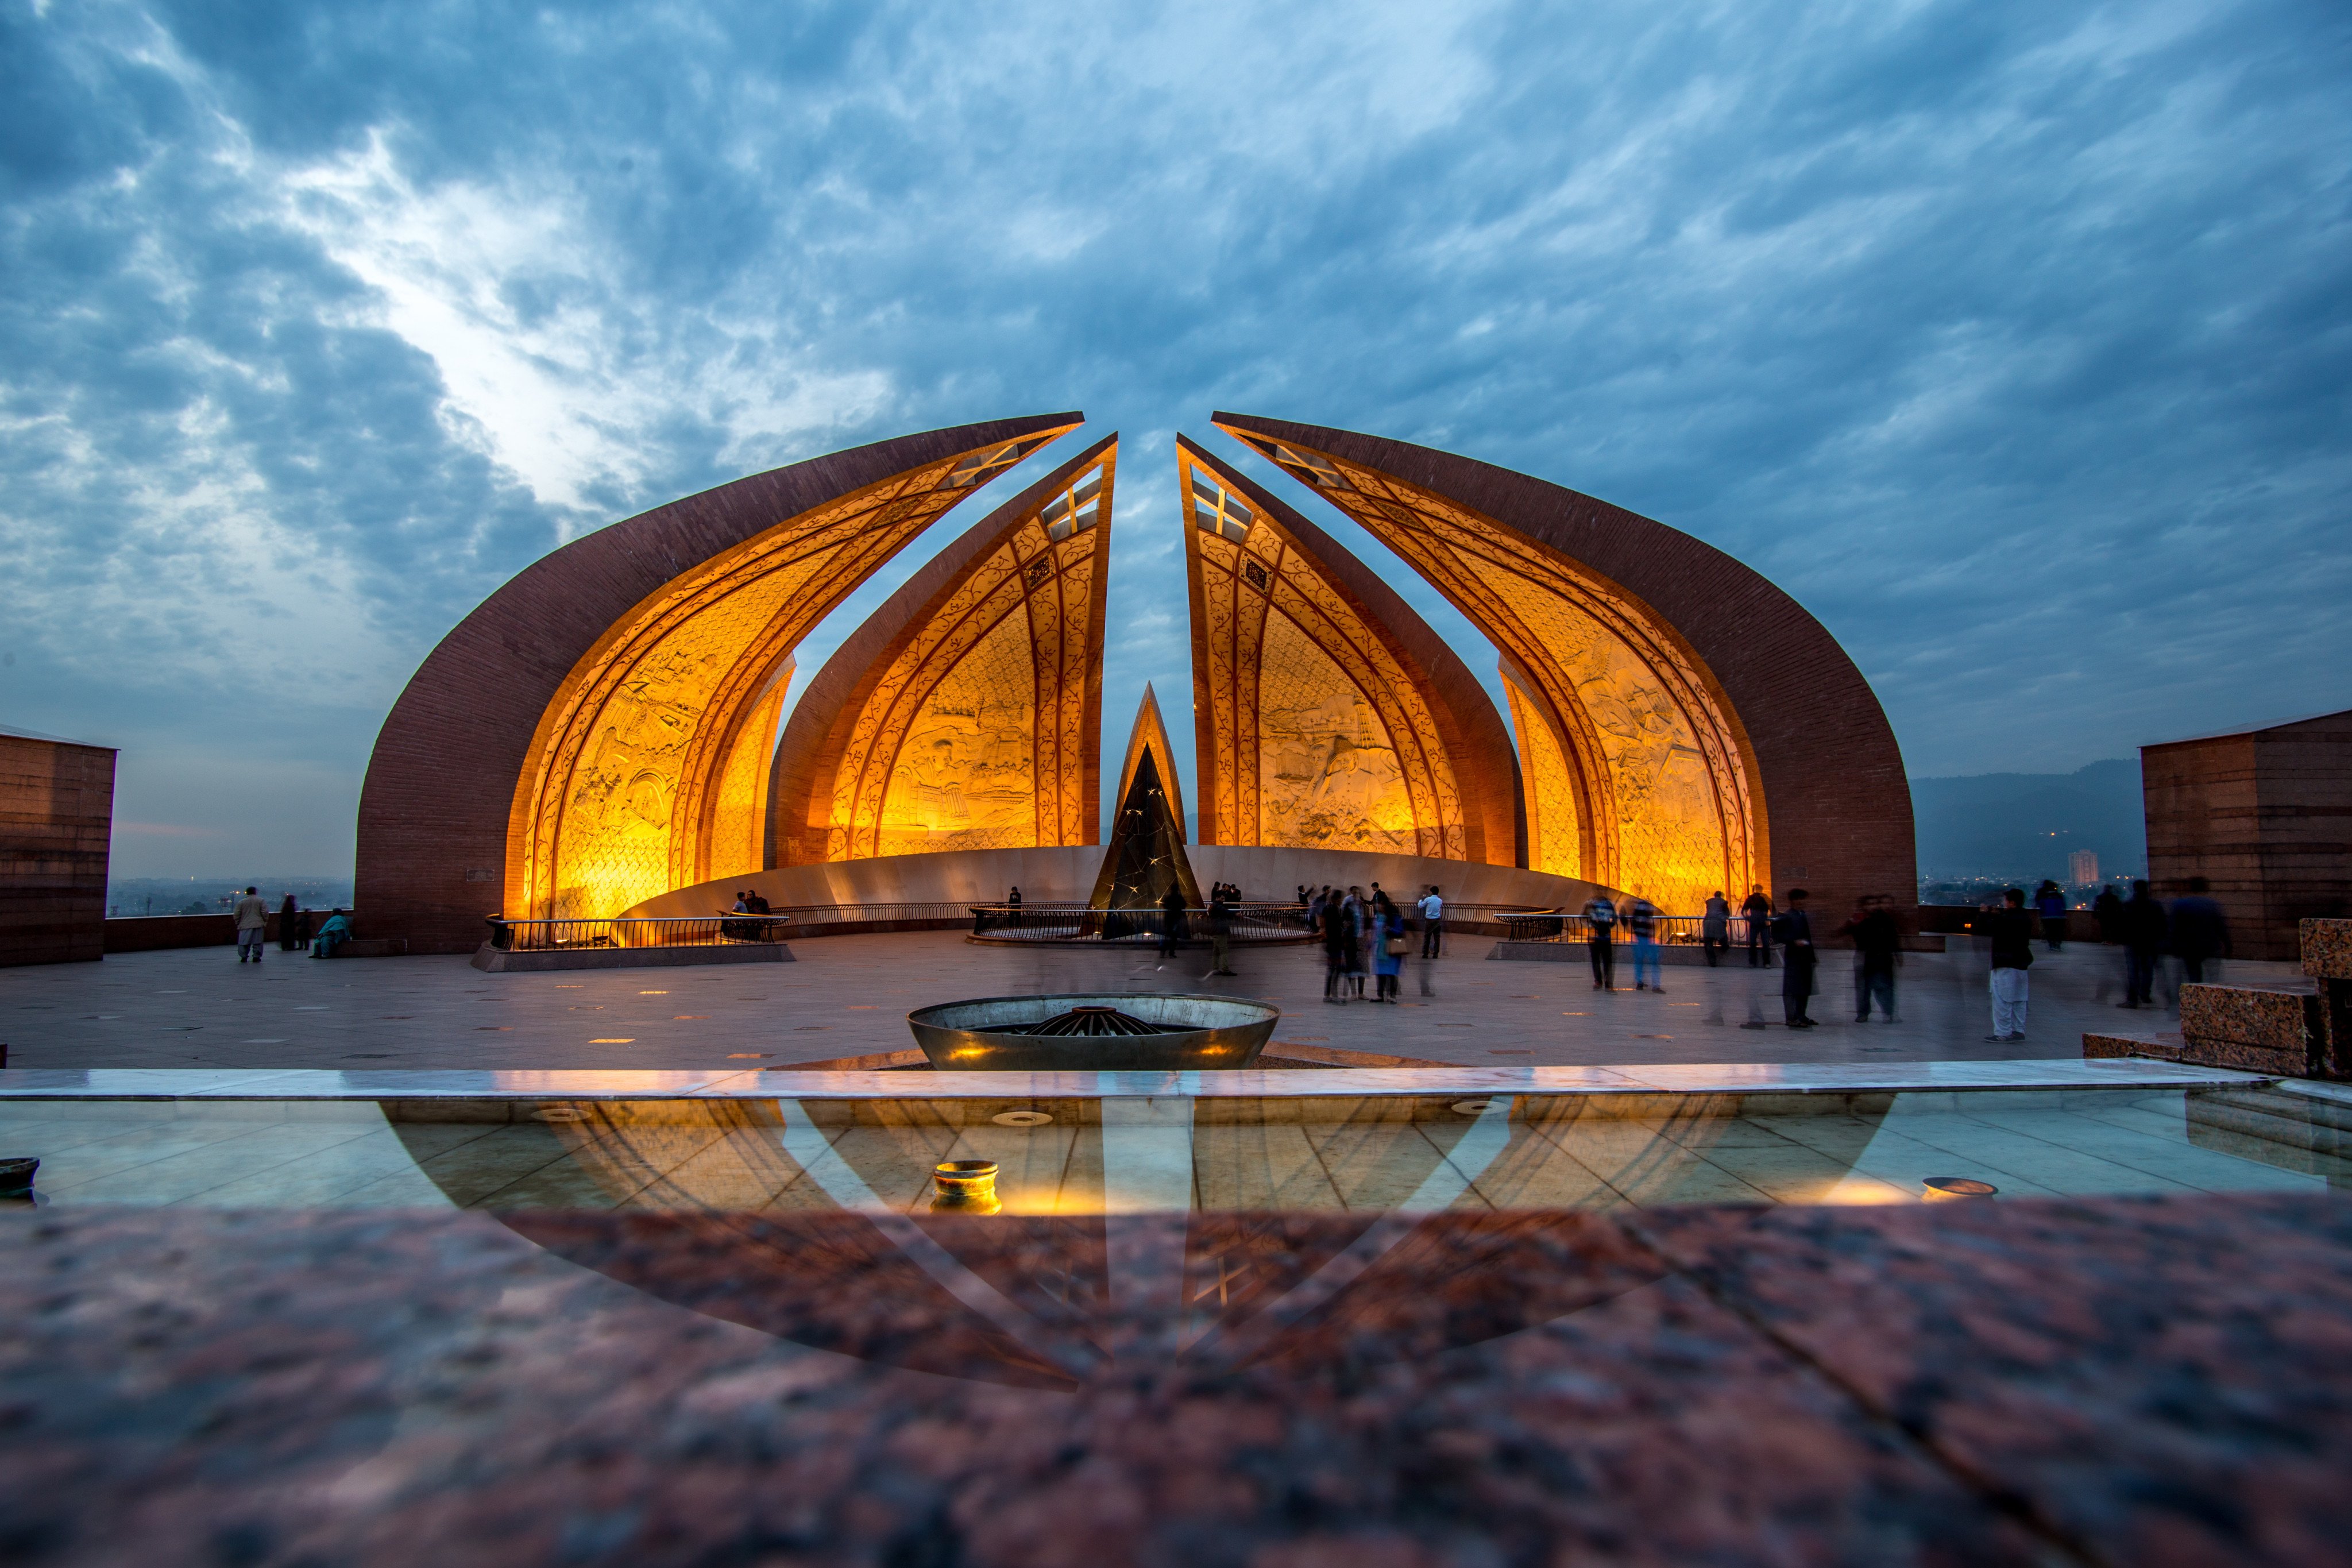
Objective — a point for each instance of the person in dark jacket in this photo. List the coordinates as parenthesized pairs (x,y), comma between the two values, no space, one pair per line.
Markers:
(1758,908)
(2011,927)
(1794,931)
(1338,926)
(1714,930)
(2139,926)
(1172,923)
(2051,905)
(2199,932)
(286,925)
(1876,938)
(1600,941)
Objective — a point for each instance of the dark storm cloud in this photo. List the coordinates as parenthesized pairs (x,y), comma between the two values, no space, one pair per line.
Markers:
(2011,338)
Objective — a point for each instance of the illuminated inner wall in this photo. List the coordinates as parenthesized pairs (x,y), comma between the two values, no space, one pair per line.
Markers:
(1625,750)
(1316,725)
(647,771)
(966,713)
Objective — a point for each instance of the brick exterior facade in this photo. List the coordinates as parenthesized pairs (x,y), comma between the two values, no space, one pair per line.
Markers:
(1835,816)
(57,825)
(435,808)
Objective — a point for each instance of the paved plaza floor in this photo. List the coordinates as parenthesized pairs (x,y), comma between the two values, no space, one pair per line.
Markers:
(848,996)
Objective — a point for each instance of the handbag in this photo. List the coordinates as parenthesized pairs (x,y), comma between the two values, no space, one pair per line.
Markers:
(1395,947)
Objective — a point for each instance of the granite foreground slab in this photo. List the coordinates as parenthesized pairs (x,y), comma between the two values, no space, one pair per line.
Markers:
(2126,1382)
(1725,1077)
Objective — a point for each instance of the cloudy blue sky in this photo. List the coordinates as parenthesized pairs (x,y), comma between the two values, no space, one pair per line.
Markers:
(2014,339)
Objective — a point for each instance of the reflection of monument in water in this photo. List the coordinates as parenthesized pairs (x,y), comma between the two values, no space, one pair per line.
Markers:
(601,736)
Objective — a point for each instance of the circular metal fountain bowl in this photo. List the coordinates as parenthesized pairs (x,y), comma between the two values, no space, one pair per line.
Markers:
(1093,1033)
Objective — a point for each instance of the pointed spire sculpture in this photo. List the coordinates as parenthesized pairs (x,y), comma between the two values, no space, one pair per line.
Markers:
(1146,856)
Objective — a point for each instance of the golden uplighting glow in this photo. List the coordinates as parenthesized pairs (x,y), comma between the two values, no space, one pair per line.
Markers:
(1623,730)
(984,730)
(1311,732)
(648,769)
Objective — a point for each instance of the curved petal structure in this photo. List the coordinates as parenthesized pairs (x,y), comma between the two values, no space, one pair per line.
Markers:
(1327,715)
(1685,724)
(591,735)
(966,713)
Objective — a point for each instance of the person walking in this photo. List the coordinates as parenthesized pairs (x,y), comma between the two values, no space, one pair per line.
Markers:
(252,925)
(1335,950)
(1172,923)
(1388,953)
(2142,927)
(2049,904)
(1876,941)
(1794,931)
(1758,908)
(1221,930)
(1642,918)
(1360,930)
(1601,938)
(286,925)
(2199,932)
(1432,921)
(1714,930)
(2011,931)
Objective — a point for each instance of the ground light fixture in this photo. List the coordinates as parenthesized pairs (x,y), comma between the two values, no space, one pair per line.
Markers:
(1942,1188)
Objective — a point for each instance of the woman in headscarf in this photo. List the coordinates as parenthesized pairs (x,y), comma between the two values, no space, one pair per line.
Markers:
(1388,946)
(285,923)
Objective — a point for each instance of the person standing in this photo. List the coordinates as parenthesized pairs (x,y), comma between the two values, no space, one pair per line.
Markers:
(1714,931)
(1389,944)
(2199,930)
(1360,940)
(1642,919)
(1601,938)
(302,932)
(1432,921)
(252,925)
(2051,905)
(2142,927)
(1221,929)
(1758,908)
(1013,907)
(286,925)
(2011,931)
(1172,923)
(1876,939)
(1794,931)
(1335,927)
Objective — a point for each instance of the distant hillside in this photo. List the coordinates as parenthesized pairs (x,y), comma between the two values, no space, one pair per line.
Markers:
(2025,825)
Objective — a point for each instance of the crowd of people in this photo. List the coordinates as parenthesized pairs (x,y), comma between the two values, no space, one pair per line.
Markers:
(295,928)
(1367,934)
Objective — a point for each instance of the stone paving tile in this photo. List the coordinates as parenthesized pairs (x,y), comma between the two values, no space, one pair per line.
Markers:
(2163,1381)
(846,995)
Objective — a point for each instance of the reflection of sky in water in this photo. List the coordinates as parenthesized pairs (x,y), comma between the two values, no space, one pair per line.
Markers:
(1221,1230)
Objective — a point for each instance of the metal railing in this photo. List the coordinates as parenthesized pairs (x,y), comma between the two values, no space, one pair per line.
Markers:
(1081,922)
(563,935)
(1673,930)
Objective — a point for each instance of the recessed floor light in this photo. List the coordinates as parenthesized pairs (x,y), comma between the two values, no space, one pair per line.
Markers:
(624,1040)
(652,992)
(1021,1119)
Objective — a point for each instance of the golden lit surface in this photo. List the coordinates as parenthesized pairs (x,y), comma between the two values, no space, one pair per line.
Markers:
(1313,734)
(1371,1154)
(1643,757)
(736,844)
(1549,783)
(634,786)
(980,733)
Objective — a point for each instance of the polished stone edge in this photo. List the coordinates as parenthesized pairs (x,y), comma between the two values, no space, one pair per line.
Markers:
(785,1083)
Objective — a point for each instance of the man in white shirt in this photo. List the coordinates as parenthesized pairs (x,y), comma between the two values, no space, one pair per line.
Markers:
(1432,921)
(252,925)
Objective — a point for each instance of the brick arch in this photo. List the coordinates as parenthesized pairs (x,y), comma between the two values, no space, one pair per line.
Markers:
(1278,592)
(1681,654)
(1008,580)
(575,741)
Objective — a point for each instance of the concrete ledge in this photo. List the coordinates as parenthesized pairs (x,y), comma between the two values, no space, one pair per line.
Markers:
(2194,1052)
(495,960)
